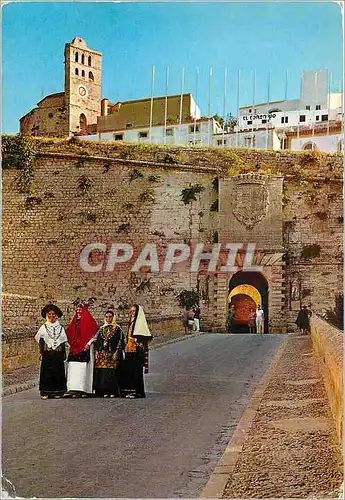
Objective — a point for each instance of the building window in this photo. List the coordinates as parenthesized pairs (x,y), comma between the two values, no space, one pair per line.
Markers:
(318,107)
(118,137)
(194,128)
(250,111)
(317,117)
(76,57)
(307,107)
(129,125)
(82,59)
(309,146)
(249,142)
(302,118)
(50,115)
(263,121)
(284,119)
(89,60)
(220,142)
(324,118)
(340,146)
(169,131)
(76,71)
(82,72)
(142,135)
(82,123)
(249,122)
(91,76)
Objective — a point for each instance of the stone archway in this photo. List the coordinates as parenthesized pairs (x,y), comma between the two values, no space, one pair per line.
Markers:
(248,289)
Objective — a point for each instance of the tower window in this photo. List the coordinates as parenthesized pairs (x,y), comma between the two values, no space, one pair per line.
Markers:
(91,75)
(82,122)
(76,71)
(76,57)
(318,107)
(89,60)
(307,107)
(82,72)
(82,59)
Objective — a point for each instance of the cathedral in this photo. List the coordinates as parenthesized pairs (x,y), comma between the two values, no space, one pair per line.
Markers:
(75,110)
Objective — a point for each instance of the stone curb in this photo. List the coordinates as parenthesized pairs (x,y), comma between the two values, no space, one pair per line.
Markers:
(30,384)
(219,478)
(24,386)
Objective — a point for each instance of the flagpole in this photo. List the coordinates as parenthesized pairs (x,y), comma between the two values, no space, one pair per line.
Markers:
(166,104)
(284,115)
(313,113)
(268,106)
(181,99)
(209,104)
(196,100)
(238,104)
(151,105)
(254,91)
(224,103)
(329,98)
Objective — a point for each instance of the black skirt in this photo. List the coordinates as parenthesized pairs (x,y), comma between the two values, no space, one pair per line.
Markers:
(106,381)
(131,375)
(52,374)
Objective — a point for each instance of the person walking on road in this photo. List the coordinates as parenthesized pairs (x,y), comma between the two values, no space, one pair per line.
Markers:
(302,320)
(52,340)
(260,320)
(252,320)
(231,317)
(109,355)
(197,318)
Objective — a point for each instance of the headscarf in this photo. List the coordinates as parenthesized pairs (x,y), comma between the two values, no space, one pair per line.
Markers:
(81,331)
(140,327)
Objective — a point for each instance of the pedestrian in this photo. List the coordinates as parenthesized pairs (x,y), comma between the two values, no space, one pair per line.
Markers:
(81,335)
(196,312)
(260,320)
(252,320)
(109,354)
(185,316)
(52,340)
(231,318)
(302,320)
(136,356)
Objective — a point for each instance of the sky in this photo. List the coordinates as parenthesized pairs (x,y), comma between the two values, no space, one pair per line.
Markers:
(280,37)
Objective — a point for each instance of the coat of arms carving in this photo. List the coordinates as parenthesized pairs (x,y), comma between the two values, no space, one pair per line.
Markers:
(251,199)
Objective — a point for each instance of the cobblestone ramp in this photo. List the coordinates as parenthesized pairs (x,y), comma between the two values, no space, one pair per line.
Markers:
(291,450)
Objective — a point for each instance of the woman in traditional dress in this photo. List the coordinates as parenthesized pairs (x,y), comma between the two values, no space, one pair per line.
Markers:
(81,333)
(137,355)
(252,320)
(52,339)
(109,353)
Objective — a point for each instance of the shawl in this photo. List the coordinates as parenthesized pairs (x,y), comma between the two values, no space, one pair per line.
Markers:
(140,327)
(81,331)
(53,334)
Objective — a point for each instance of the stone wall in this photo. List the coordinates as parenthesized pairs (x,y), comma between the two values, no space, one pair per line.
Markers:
(107,193)
(328,343)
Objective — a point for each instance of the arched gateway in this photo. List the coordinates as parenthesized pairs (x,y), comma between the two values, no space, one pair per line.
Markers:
(248,290)
(250,215)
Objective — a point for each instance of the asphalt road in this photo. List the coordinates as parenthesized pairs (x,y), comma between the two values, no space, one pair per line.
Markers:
(166,445)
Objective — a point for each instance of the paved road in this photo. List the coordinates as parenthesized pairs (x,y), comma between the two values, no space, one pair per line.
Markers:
(163,446)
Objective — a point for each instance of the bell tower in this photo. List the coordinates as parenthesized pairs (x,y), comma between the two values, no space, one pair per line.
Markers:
(83,85)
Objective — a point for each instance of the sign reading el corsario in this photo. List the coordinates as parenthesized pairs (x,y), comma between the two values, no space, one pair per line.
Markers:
(265,116)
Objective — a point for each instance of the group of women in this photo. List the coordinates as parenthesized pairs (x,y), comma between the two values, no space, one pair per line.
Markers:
(101,361)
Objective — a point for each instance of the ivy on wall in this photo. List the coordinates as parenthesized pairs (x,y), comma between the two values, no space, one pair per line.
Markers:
(19,152)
